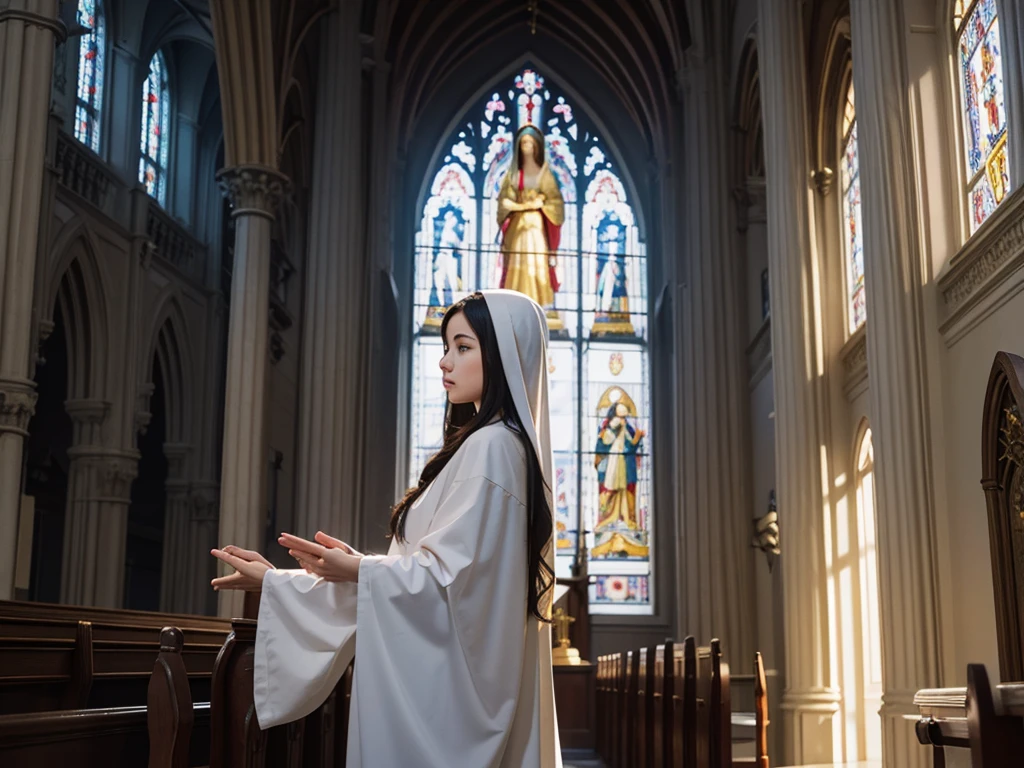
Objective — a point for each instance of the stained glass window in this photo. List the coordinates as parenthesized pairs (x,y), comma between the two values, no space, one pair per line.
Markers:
(853,239)
(983,110)
(89,102)
(598,356)
(156,113)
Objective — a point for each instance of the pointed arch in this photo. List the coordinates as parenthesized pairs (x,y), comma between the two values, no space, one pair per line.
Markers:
(170,347)
(78,292)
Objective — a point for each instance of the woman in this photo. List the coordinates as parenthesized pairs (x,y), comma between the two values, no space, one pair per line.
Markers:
(530,214)
(454,646)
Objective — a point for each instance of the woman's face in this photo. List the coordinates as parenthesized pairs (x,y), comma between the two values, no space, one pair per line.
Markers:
(528,147)
(463,363)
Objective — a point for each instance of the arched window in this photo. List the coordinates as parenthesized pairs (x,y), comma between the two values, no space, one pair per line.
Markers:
(90,75)
(598,362)
(156,113)
(982,109)
(853,238)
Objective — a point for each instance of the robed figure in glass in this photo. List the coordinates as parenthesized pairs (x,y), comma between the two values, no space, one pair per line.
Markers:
(530,213)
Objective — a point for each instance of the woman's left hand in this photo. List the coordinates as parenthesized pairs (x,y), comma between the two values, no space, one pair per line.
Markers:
(329,563)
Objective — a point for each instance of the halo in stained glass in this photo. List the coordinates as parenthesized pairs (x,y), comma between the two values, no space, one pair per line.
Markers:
(600,224)
(89,99)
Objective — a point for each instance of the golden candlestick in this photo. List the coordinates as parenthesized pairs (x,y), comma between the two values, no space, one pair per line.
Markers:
(563,653)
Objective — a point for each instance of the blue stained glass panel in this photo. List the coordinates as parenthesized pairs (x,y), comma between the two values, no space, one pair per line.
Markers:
(89,100)
(155,139)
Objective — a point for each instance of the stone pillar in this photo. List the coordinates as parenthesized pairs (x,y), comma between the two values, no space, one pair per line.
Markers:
(716,594)
(895,338)
(179,561)
(96,516)
(333,395)
(254,192)
(809,701)
(28,31)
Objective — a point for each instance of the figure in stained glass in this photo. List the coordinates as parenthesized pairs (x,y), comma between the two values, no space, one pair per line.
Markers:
(612,317)
(616,460)
(154,142)
(984,110)
(530,213)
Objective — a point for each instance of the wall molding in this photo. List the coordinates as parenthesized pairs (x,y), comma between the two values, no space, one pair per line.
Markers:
(985,273)
(854,356)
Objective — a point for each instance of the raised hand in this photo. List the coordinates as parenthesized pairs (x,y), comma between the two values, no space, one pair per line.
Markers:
(333,543)
(330,563)
(249,569)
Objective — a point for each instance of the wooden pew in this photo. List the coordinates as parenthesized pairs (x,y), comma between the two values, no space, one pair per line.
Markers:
(59,657)
(170,733)
(989,725)
(626,725)
(169,705)
(714,712)
(681,740)
(760,729)
(643,730)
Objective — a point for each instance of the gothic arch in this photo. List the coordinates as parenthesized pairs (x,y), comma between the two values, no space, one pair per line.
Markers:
(608,135)
(837,74)
(169,346)
(76,287)
(747,116)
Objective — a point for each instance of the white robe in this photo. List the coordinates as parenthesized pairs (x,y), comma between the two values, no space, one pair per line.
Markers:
(449,668)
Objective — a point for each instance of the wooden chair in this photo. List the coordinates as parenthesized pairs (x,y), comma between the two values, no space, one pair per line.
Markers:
(714,710)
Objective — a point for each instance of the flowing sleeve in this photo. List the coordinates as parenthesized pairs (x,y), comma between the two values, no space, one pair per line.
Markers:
(443,630)
(506,197)
(305,638)
(554,206)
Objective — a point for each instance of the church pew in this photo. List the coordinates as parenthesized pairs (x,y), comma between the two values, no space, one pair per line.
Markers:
(714,727)
(600,705)
(56,657)
(170,732)
(759,734)
(974,719)
(643,730)
(627,717)
(169,716)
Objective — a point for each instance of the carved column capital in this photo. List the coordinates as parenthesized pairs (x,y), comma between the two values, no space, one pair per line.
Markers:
(17,406)
(87,410)
(116,475)
(254,190)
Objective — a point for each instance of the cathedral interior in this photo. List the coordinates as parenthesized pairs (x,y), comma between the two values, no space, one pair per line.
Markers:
(229,230)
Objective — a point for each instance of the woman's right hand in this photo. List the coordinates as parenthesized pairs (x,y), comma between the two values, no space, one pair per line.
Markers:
(333,543)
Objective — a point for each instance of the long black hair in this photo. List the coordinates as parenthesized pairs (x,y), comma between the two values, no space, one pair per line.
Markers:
(461,420)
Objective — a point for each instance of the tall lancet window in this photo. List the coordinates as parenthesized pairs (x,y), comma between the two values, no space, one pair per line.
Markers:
(156,114)
(982,108)
(89,102)
(592,280)
(852,232)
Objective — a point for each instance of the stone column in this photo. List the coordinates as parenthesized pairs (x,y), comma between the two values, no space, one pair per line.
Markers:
(809,701)
(179,561)
(1011,25)
(895,338)
(28,31)
(254,192)
(716,594)
(96,516)
(333,395)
